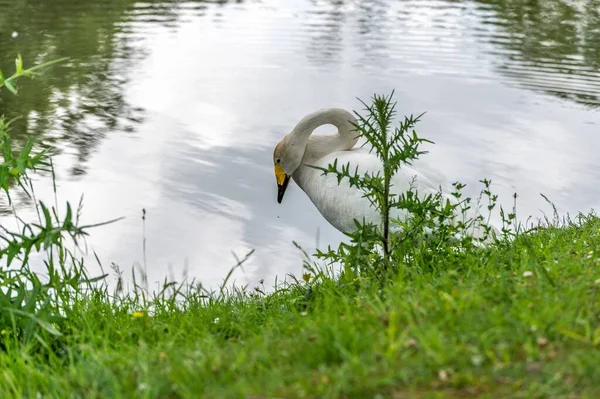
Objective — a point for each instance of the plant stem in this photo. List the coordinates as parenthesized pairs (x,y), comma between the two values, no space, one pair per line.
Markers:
(386,217)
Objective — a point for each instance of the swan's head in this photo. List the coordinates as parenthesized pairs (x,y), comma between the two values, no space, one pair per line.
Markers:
(287,157)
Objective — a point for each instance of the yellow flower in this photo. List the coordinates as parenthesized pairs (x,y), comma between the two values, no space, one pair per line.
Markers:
(3,332)
(138,314)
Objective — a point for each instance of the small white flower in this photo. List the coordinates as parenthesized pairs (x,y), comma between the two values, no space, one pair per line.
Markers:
(216,320)
(527,274)
(443,375)
(14,34)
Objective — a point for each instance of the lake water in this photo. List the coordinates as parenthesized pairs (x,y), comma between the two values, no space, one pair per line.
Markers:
(175,107)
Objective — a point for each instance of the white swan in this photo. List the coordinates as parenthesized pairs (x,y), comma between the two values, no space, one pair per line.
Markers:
(340,204)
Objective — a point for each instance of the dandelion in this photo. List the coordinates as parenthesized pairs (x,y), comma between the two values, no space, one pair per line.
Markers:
(138,314)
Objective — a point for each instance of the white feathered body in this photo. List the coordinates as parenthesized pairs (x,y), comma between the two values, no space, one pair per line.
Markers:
(341,204)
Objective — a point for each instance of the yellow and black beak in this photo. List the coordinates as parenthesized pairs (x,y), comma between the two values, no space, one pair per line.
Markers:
(282,182)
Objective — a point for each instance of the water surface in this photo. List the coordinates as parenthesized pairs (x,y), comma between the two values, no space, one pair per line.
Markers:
(175,107)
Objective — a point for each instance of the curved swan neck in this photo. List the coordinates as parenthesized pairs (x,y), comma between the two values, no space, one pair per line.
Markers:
(321,145)
(337,117)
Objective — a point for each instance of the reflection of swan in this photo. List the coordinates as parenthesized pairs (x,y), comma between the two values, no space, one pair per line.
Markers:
(340,204)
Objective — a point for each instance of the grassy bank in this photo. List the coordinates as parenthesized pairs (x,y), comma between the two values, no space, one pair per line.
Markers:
(522,321)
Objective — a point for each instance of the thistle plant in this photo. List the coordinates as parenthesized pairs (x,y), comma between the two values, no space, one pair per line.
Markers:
(434,223)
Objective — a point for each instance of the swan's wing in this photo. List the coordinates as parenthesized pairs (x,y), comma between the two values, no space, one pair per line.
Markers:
(418,176)
(340,204)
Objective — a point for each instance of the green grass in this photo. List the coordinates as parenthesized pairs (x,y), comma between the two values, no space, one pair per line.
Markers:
(481,327)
